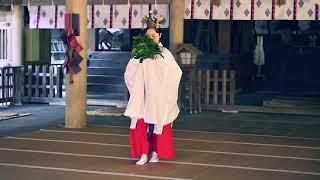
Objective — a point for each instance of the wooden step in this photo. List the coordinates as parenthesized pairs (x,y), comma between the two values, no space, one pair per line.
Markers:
(97,102)
(297,98)
(106,71)
(115,55)
(110,96)
(291,104)
(106,88)
(105,79)
(107,102)
(107,63)
(261,109)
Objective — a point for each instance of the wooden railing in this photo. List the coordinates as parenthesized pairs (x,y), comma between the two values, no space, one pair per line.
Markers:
(202,88)
(10,85)
(43,83)
(218,87)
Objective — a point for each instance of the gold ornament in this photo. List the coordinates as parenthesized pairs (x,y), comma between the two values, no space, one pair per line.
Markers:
(281,2)
(216,2)
(153,22)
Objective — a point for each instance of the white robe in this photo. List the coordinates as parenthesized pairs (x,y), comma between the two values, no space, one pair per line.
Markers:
(153,87)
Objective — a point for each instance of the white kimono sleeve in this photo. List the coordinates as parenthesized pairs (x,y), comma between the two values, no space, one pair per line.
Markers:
(134,80)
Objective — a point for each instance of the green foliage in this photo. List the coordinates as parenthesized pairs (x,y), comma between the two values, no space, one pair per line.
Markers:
(144,48)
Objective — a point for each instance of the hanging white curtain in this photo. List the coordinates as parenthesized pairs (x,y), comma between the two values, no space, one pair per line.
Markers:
(262,9)
(241,9)
(222,12)
(306,10)
(201,9)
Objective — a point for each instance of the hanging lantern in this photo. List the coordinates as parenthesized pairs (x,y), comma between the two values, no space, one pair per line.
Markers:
(216,2)
(281,2)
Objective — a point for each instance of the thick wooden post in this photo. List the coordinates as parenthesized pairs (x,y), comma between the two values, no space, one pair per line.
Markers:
(176,23)
(76,93)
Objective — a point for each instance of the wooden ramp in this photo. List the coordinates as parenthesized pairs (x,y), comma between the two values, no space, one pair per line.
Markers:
(103,152)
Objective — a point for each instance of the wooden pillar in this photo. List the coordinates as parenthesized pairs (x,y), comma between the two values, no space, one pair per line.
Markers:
(76,93)
(176,23)
(17,34)
(224,37)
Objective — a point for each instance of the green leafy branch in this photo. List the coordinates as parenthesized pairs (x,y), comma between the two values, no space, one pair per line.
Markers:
(144,48)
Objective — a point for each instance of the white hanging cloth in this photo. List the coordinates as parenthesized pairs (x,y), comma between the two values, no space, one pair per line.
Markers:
(316,1)
(259,58)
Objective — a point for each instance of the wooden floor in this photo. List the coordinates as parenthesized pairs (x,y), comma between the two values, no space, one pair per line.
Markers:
(103,152)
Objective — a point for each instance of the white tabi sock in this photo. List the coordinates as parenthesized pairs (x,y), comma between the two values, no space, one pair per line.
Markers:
(143,160)
(154,158)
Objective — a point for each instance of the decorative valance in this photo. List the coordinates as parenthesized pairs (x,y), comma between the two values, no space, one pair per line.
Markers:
(101,14)
(252,9)
(90,2)
(49,14)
